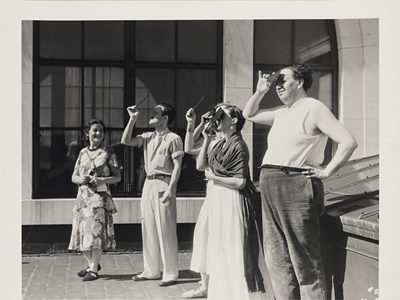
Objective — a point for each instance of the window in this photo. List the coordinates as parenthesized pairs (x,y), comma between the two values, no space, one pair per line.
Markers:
(95,69)
(278,43)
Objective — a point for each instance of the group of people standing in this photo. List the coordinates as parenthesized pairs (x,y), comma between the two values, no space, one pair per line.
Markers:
(240,239)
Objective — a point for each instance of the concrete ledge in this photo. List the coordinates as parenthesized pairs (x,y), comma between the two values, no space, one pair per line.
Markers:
(59,211)
(122,247)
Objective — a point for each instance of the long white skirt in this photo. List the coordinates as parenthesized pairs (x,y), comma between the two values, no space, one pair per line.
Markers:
(200,238)
(225,247)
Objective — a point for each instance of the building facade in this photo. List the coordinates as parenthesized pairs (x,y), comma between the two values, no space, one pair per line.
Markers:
(74,71)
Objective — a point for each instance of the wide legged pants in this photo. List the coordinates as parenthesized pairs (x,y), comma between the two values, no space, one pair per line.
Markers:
(292,205)
(159,231)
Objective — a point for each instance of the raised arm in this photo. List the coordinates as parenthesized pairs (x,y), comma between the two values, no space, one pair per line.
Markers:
(251,111)
(193,138)
(189,137)
(127,138)
(202,161)
(330,126)
(199,129)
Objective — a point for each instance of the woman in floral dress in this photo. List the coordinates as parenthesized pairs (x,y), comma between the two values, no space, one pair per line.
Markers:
(93,228)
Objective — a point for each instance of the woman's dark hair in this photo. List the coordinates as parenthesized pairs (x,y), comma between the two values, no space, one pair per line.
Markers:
(301,71)
(167,110)
(235,112)
(89,125)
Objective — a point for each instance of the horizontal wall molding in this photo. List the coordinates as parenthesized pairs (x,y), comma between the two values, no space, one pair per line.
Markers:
(59,211)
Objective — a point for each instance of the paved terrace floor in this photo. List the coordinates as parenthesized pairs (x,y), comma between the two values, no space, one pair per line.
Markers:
(54,277)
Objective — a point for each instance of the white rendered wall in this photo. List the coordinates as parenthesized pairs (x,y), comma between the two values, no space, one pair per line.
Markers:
(238,70)
(358,49)
(27,77)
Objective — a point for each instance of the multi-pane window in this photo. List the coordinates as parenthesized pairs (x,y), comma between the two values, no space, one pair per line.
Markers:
(278,43)
(95,69)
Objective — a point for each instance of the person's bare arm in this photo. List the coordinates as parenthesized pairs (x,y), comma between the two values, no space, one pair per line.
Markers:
(114,178)
(190,146)
(202,161)
(177,161)
(330,126)
(127,138)
(251,111)
(229,182)
(78,179)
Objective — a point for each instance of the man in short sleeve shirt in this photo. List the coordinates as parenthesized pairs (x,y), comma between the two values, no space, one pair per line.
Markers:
(163,152)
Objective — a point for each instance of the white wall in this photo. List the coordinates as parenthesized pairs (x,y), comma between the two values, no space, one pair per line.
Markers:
(27,50)
(238,70)
(358,46)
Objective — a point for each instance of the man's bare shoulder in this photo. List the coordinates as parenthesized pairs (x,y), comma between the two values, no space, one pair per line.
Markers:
(317,105)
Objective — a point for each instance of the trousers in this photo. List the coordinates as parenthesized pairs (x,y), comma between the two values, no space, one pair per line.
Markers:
(159,231)
(291,207)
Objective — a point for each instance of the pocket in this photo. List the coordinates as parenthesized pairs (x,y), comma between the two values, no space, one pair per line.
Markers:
(160,163)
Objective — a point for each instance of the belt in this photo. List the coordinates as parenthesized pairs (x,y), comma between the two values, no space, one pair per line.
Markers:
(283,168)
(157,176)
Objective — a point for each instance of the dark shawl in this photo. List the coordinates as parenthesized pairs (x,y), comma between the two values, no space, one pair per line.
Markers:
(231,160)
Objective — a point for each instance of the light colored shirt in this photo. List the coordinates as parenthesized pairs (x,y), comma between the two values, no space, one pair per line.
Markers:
(160,150)
(288,142)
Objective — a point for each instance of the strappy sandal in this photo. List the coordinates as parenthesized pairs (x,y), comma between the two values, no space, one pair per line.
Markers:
(90,276)
(82,273)
(193,294)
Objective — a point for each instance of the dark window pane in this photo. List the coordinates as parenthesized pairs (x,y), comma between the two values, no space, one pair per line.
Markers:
(113,139)
(192,85)
(312,44)
(155,41)
(60,39)
(161,48)
(191,182)
(60,97)
(158,86)
(260,145)
(104,95)
(58,151)
(273,42)
(104,40)
(197,41)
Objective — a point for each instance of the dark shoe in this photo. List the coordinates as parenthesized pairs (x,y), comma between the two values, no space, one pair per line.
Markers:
(82,273)
(167,283)
(90,276)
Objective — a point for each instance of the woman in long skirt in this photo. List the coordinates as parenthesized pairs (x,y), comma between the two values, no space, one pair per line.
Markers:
(234,240)
(193,143)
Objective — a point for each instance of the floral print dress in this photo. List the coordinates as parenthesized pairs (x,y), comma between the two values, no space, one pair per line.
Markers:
(93,226)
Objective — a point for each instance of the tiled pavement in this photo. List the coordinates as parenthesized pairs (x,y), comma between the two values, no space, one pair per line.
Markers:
(54,277)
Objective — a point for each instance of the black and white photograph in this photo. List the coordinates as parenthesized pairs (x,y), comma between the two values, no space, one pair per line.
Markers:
(200,149)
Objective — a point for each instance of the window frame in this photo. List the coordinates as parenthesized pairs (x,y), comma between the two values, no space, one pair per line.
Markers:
(129,64)
(333,68)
